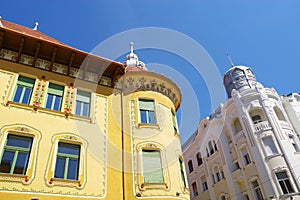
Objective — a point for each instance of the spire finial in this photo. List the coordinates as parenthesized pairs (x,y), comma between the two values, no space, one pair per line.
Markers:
(0,22)
(36,24)
(230,61)
(131,47)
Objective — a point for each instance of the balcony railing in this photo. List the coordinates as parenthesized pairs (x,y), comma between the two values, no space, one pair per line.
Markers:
(240,135)
(262,126)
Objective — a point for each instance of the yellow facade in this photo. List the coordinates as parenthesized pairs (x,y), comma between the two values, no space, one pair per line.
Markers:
(111,140)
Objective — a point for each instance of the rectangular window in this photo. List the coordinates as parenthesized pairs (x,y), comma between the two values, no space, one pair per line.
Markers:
(182,172)
(54,97)
(294,143)
(152,166)
(246,156)
(67,161)
(23,90)
(204,184)
(195,190)
(147,111)
(15,156)
(83,100)
(257,191)
(284,182)
(269,146)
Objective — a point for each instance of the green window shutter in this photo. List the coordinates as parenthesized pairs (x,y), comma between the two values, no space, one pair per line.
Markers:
(27,82)
(55,89)
(146,104)
(152,167)
(83,96)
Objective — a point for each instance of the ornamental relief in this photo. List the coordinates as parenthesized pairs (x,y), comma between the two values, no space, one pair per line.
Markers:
(149,84)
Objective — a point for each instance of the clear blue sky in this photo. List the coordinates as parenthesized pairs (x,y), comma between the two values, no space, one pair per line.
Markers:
(264,35)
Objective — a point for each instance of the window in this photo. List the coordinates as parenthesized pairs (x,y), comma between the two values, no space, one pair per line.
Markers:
(67,161)
(294,143)
(270,146)
(83,100)
(237,125)
(54,97)
(147,111)
(246,156)
(284,182)
(204,184)
(152,166)
(16,154)
(256,119)
(182,172)
(212,148)
(24,89)
(217,175)
(199,159)
(245,196)
(195,190)
(190,164)
(174,121)
(257,191)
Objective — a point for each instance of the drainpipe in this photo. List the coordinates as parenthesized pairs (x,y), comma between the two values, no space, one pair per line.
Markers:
(123,145)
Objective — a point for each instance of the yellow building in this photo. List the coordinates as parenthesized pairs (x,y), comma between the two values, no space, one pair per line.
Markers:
(74,125)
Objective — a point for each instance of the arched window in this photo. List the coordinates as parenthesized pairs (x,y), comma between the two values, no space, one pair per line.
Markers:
(217,175)
(212,148)
(199,158)
(190,165)
(237,125)
(279,114)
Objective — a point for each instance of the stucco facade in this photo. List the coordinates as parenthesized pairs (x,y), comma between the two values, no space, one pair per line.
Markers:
(248,148)
(77,126)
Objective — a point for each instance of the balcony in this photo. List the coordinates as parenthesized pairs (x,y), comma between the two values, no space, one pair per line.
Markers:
(239,136)
(285,125)
(262,126)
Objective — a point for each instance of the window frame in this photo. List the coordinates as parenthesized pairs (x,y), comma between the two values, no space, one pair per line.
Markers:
(67,157)
(54,93)
(190,166)
(25,85)
(82,103)
(273,142)
(72,139)
(21,131)
(258,194)
(285,181)
(147,111)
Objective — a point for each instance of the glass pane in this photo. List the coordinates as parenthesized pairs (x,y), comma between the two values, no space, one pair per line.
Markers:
(57,103)
(289,186)
(18,94)
(85,110)
(78,107)
(68,148)
(151,117)
(26,96)
(21,164)
(49,101)
(152,168)
(6,161)
(282,185)
(143,114)
(72,169)
(60,167)
(17,141)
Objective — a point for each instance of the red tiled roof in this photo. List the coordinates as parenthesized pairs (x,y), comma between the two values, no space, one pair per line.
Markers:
(28,31)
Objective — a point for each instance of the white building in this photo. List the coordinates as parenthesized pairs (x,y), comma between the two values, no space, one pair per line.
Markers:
(248,148)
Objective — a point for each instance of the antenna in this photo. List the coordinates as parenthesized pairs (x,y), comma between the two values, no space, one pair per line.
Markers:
(131,47)
(230,61)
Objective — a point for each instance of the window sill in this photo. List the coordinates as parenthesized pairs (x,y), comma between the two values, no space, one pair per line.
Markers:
(145,186)
(65,182)
(267,158)
(14,178)
(48,111)
(143,125)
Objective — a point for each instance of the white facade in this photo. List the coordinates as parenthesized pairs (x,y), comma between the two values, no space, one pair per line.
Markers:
(249,146)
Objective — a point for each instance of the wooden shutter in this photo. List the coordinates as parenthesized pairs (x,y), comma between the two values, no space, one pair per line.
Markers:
(152,167)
